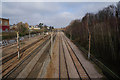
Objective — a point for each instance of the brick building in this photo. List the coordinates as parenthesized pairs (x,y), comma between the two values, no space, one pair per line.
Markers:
(4,25)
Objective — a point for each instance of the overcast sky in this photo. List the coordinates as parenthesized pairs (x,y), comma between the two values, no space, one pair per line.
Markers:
(50,13)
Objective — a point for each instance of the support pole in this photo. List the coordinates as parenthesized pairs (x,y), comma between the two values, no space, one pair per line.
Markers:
(18,46)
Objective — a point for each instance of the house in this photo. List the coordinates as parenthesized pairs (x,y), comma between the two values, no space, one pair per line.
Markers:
(31,27)
(34,27)
(4,25)
(13,26)
(48,27)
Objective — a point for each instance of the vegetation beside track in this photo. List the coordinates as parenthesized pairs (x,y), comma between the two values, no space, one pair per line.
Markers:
(104,28)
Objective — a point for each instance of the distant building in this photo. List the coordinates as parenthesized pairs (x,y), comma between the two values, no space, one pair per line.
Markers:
(31,27)
(4,25)
(48,27)
(34,27)
(13,26)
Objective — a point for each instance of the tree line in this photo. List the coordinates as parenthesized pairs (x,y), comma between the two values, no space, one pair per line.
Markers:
(104,29)
(23,29)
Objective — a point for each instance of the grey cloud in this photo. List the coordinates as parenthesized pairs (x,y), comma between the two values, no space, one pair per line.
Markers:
(50,13)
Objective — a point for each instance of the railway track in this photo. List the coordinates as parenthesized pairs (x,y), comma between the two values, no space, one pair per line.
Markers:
(63,68)
(12,60)
(35,72)
(8,57)
(65,64)
(68,65)
(10,67)
(37,68)
(81,72)
(14,70)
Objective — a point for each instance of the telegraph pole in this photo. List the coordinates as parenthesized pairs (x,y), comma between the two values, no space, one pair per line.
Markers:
(89,37)
(29,34)
(51,42)
(70,33)
(89,45)
(18,46)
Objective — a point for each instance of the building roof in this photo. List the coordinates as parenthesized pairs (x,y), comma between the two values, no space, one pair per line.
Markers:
(5,18)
